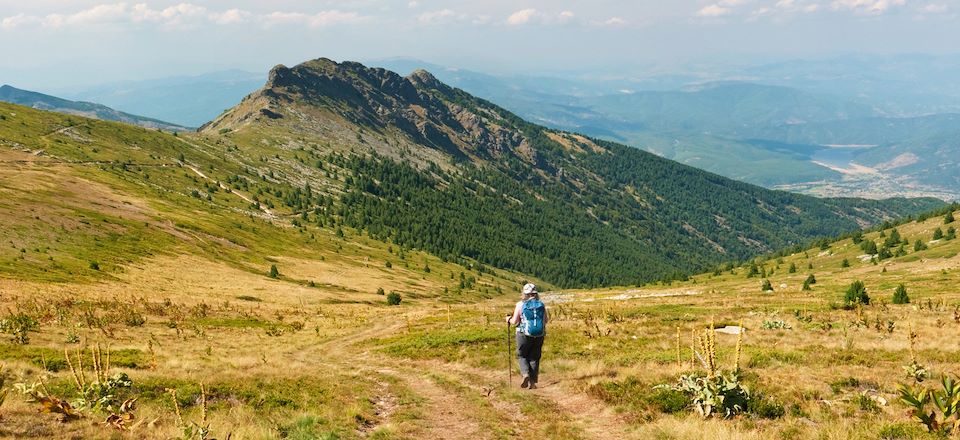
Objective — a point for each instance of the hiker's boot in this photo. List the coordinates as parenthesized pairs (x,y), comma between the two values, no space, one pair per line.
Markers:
(526,382)
(533,385)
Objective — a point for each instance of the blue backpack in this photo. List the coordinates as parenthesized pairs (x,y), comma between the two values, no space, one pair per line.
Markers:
(531,322)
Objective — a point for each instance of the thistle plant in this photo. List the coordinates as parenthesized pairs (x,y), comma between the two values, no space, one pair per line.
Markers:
(915,370)
(103,392)
(678,348)
(736,363)
(715,392)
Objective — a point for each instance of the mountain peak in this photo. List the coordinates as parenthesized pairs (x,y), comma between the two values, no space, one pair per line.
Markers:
(421,77)
(320,95)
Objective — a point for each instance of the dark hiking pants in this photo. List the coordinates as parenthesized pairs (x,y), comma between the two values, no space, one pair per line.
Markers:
(528,355)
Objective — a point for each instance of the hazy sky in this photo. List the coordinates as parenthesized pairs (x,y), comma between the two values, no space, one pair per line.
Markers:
(55,43)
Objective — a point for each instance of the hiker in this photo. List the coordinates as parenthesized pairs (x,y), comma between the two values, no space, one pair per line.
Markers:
(530,317)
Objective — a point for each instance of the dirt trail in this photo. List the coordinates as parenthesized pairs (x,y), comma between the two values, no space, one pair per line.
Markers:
(231,190)
(595,419)
(446,414)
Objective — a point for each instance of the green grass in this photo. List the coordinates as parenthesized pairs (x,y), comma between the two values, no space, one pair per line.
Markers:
(54,360)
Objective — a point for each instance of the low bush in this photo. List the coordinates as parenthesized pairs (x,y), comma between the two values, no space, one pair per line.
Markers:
(394,299)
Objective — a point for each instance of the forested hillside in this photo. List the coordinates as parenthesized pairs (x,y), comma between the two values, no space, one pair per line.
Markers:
(431,167)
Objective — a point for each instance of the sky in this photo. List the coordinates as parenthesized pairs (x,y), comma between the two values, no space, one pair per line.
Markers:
(49,44)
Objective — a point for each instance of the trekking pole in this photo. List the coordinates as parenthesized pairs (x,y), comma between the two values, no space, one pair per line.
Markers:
(509,358)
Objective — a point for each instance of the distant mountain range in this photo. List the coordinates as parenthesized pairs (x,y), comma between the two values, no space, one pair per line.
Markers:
(80,108)
(786,125)
(186,100)
(782,125)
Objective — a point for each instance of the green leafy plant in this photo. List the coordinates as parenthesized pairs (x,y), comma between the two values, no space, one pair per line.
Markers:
(915,370)
(37,392)
(18,326)
(105,392)
(776,324)
(721,395)
(714,393)
(936,409)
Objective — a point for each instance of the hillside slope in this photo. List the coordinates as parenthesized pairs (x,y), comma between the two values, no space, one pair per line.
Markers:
(434,168)
(88,201)
(79,108)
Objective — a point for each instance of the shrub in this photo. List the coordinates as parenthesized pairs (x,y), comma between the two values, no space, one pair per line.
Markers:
(94,265)
(394,299)
(845,263)
(380,291)
(766,286)
(867,404)
(900,295)
(919,246)
(765,407)
(19,326)
(937,234)
(668,401)
(900,431)
(856,293)
(947,219)
(274,273)
(811,279)
(857,237)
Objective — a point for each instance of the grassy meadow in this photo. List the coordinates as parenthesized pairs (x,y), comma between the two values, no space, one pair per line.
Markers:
(137,301)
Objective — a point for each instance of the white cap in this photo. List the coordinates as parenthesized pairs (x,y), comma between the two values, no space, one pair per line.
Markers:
(529,289)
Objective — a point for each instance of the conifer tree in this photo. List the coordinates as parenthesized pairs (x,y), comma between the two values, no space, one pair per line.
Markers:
(900,295)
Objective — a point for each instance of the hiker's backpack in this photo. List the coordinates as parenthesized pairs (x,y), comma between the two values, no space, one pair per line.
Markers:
(532,316)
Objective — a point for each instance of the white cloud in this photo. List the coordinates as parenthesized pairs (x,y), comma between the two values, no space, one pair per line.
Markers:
(714,10)
(521,17)
(178,16)
(18,20)
(231,16)
(872,7)
(436,16)
(334,17)
(533,16)
(935,8)
(788,6)
(97,14)
(614,21)
(413,4)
